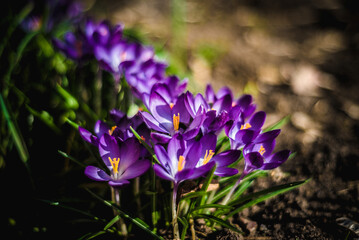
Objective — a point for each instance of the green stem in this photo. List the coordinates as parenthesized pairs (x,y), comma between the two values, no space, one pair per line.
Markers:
(229,195)
(116,198)
(176,235)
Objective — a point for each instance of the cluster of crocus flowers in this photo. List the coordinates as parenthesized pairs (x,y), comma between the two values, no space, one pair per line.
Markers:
(180,130)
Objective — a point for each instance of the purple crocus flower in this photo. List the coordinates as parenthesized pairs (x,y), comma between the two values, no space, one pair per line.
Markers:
(120,130)
(259,155)
(216,115)
(102,33)
(74,46)
(222,159)
(242,132)
(167,119)
(170,88)
(100,129)
(142,75)
(121,158)
(179,161)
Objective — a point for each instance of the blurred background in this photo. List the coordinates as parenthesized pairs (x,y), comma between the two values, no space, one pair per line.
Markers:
(297,58)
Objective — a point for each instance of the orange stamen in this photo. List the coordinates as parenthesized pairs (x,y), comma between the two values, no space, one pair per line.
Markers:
(245,126)
(208,156)
(262,150)
(112,130)
(181,163)
(176,121)
(114,163)
(171,105)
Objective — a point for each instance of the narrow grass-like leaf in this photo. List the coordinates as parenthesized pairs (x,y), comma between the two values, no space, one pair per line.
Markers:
(185,227)
(192,195)
(278,124)
(257,197)
(58,204)
(19,142)
(219,221)
(95,235)
(250,177)
(138,222)
(112,222)
(217,206)
(148,147)
(71,158)
(206,183)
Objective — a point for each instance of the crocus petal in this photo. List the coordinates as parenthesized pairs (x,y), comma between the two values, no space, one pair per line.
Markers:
(226,158)
(244,137)
(263,137)
(160,138)
(161,110)
(96,174)
(162,173)
(185,174)
(152,123)
(276,160)
(208,142)
(192,155)
(101,128)
(225,172)
(163,158)
(136,169)
(253,160)
(201,171)
(180,108)
(210,95)
(175,149)
(108,147)
(129,153)
(223,104)
(118,183)
(88,137)
(257,120)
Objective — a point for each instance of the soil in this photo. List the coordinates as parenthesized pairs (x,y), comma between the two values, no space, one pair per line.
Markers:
(297,58)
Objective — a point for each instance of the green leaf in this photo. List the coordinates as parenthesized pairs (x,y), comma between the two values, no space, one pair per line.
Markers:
(58,204)
(71,158)
(220,221)
(193,195)
(257,197)
(148,147)
(217,206)
(19,142)
(138,222)
(112,222)
(278,124)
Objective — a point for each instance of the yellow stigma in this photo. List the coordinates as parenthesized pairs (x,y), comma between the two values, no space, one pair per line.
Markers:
(112,130)
(171,105)
(208,156)
(114,164)
(181,162)
(176,121)
(245,126)
(262,150)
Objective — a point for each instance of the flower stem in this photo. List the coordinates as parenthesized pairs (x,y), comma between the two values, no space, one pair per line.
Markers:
(176,235)
(229,195)
(116,198)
